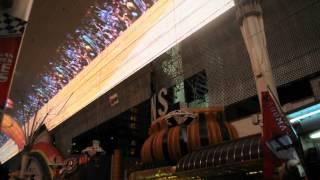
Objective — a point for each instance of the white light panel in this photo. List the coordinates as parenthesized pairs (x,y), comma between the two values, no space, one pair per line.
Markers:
(167,23)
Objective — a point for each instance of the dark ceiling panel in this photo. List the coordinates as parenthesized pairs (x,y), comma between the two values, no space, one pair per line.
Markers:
(49,23)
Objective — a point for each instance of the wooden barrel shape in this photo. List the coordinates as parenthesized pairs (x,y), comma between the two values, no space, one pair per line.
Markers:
(177,142)
(170,144)
(146,150)
(155,148)
(166,145)
(158,125)
(209,128)
(159,146)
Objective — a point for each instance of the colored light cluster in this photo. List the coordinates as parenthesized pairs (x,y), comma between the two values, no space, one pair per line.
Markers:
(102,24)
(3,139)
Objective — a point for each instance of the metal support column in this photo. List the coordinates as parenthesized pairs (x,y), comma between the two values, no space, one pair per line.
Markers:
(249,14)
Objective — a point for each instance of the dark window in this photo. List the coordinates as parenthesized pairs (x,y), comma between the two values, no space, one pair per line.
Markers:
(196,87)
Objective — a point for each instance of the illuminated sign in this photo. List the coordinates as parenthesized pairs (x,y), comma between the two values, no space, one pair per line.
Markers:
(157,30)
(160,97)
(9,47)
(164,25)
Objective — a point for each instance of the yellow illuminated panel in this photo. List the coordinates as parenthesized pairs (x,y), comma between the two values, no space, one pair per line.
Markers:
(165,24)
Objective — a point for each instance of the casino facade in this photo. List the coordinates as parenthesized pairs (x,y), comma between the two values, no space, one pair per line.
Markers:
(147,89)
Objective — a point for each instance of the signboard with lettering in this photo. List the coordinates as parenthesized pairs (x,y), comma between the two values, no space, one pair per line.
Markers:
(9,47)
(162,107)
(279,136)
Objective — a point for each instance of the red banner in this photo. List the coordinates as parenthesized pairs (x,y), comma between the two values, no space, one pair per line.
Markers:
(270,130)
(275,124)
(9,47)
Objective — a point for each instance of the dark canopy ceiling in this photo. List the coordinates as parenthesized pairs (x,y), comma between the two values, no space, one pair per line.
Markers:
(63,37)
(48,25)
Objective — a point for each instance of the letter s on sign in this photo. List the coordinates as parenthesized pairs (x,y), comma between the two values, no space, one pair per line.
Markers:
(163,102)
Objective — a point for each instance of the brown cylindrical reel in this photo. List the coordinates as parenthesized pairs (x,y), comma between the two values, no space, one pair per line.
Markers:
(158,145)
(146,150)
(169,144)
(209,129)
(158,125)
(166,145)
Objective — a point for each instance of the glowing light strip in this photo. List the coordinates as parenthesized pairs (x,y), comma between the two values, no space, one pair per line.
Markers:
(304,116)
(161,27)
(178,24)
(304,113)
(164,25)
(8,150)
(315,135)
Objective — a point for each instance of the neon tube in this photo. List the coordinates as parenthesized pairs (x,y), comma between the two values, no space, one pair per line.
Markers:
(304,113)
(315,135)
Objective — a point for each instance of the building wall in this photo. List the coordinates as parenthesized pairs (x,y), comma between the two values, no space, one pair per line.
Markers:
(130,93)
(293,37)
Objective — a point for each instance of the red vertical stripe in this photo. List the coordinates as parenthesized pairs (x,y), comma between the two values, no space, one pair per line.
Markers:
(270,130)
(9,47)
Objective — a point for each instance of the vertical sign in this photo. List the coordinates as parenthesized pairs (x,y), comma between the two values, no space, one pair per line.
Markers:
(9,47)
(279,137)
